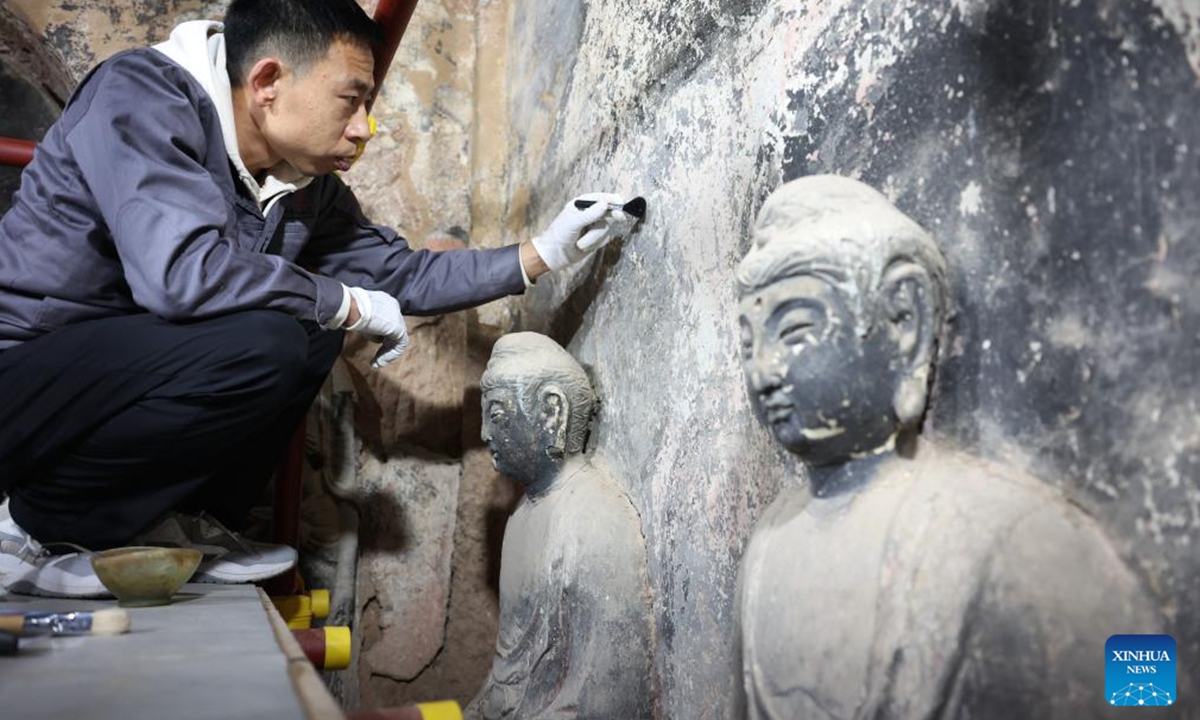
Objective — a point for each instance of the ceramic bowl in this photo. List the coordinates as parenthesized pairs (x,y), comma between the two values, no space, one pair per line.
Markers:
(145,576)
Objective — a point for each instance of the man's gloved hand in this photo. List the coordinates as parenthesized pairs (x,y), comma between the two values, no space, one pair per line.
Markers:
(379,317)
(575,233)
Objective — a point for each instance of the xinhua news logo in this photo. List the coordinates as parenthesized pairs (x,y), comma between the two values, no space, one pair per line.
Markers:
(1139,670)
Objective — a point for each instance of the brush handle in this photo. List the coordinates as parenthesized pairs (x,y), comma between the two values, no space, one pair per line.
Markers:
(585,204)
(635,207)
(47,623)
(14,624)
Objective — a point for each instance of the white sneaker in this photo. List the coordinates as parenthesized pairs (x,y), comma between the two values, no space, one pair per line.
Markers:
(27,568)
(228,557)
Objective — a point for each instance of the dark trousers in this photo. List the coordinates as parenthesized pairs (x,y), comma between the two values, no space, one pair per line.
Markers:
(108,424)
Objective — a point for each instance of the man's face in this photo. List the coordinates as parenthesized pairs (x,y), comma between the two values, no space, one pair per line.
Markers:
(320,115)
(824,392)
(511,435)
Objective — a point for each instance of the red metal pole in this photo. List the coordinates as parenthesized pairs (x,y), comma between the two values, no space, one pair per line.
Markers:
(16,153)
(286,513)
(393,16)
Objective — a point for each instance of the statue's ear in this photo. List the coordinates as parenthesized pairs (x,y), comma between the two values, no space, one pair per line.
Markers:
(553,415)
(909,306)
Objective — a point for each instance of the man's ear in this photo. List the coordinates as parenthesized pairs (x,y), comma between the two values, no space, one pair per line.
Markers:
(262,81)
(553,414)
(909,305)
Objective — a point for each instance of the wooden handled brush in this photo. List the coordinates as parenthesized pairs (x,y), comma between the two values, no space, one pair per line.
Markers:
(112,621)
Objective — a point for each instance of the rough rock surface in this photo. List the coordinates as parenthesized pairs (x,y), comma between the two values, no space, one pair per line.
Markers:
(404,565)
(1045,144)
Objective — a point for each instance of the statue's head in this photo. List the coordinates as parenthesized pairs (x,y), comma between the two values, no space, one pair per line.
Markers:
(537,403)
(843,298)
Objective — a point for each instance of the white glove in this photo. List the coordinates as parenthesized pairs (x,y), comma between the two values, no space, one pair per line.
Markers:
(379,317)
(566,241)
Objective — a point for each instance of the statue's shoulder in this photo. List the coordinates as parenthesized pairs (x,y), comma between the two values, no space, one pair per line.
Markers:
(944,499)
(595,486)
(976,487)
(1005,510)
(591,504)
(788,503)
(599,535)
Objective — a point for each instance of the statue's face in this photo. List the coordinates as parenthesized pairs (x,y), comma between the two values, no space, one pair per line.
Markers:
(823,391)
(512,435)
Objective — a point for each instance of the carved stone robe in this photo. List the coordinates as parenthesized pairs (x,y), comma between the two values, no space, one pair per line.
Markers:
(945,587)
(575,637)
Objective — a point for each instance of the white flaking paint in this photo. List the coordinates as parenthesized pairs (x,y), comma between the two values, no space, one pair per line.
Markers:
(971,200)
(1184,16)
(822,433)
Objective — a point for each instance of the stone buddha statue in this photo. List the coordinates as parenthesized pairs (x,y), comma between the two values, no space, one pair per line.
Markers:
(576,624)
(905,579)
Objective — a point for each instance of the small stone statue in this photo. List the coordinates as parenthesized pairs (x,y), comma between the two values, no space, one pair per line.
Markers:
(907,580)
(576,628)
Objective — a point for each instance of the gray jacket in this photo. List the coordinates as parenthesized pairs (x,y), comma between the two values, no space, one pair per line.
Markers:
(131,205)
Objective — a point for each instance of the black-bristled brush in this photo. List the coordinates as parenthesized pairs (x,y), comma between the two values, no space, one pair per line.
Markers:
(635,207)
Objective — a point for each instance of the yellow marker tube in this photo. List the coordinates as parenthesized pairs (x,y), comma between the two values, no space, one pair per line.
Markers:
(443,710)
(362,144)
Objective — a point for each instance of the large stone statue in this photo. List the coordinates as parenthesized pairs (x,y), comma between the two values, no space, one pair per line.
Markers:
(576,627)
(906,579)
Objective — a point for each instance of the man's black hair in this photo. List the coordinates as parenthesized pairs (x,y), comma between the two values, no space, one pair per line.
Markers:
(299,31)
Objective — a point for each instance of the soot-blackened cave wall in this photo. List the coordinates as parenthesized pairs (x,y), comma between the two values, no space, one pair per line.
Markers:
(1051,148)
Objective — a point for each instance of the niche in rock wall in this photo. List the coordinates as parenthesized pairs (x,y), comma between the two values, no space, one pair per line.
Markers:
(29,111)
